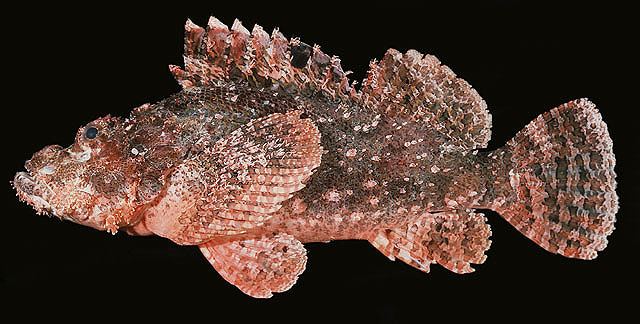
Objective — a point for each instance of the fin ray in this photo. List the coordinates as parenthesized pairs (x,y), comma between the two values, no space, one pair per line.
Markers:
(230,187)
(248,197)
(257,57)
(561,191)
(418,88)
(259,266)
(454,239)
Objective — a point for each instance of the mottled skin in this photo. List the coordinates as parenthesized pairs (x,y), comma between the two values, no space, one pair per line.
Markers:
(269,146)
(89,182)
(348,196)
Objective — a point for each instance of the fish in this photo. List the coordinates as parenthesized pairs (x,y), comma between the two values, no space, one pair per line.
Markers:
(269,146)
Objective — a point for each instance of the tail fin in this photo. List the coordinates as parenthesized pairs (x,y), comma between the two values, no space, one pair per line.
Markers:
(562,193)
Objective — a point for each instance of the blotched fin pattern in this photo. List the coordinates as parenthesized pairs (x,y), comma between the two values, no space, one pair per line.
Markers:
(258,266)
(563,181)
(454,239)
(412,86)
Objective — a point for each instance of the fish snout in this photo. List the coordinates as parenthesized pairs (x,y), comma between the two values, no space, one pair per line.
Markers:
(23,182)
(44,156)
(31,192)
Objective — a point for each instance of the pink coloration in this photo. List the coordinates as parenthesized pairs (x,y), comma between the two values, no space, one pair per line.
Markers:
(370,184)
(269,146)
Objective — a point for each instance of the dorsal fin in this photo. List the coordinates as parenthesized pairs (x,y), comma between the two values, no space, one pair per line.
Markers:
(420,88)
(219,53)
(407,87)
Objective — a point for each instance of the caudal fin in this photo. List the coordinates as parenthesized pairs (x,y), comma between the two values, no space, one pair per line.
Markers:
(562,193)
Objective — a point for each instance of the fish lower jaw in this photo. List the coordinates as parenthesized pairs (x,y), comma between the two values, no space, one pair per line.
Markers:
(25,186)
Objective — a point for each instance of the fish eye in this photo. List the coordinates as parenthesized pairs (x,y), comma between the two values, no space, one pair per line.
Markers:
(91,133)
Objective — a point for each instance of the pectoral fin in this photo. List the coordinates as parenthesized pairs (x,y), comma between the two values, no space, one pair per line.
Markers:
(261,266)
(238,182)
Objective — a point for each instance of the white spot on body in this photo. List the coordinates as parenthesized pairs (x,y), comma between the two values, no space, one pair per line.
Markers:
(298,206)
(332,195)
(451,203)
(356,216)
(514,179)
(369,184)
(87,189)
(351,153)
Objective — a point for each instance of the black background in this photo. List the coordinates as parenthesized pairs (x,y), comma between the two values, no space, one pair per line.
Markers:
(68,65)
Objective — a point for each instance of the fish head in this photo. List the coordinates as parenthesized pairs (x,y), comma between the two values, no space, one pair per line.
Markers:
(92,182)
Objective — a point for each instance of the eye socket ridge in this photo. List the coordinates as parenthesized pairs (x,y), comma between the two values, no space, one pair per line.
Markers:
(91,132)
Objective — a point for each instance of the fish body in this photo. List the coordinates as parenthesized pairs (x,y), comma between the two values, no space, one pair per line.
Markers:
(269,146)
(361,171)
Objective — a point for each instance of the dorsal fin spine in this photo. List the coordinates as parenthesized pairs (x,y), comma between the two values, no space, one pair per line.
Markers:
(408,86)
(218,39)
(218,54)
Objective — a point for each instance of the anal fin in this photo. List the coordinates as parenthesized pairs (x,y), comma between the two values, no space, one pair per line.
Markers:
(454,239)
(258,266)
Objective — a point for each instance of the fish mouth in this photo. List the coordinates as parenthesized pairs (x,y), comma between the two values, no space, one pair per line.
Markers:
(37,194)
(32,192)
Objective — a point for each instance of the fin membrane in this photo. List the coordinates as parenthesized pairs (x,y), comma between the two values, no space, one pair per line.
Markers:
(258,166)
(262,164)
(419,88)
(413,86)
(261,266)
(562,181)
(453,239)
(217,53)
(239,181)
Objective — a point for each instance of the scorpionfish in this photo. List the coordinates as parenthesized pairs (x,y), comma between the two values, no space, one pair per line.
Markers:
(268,145)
